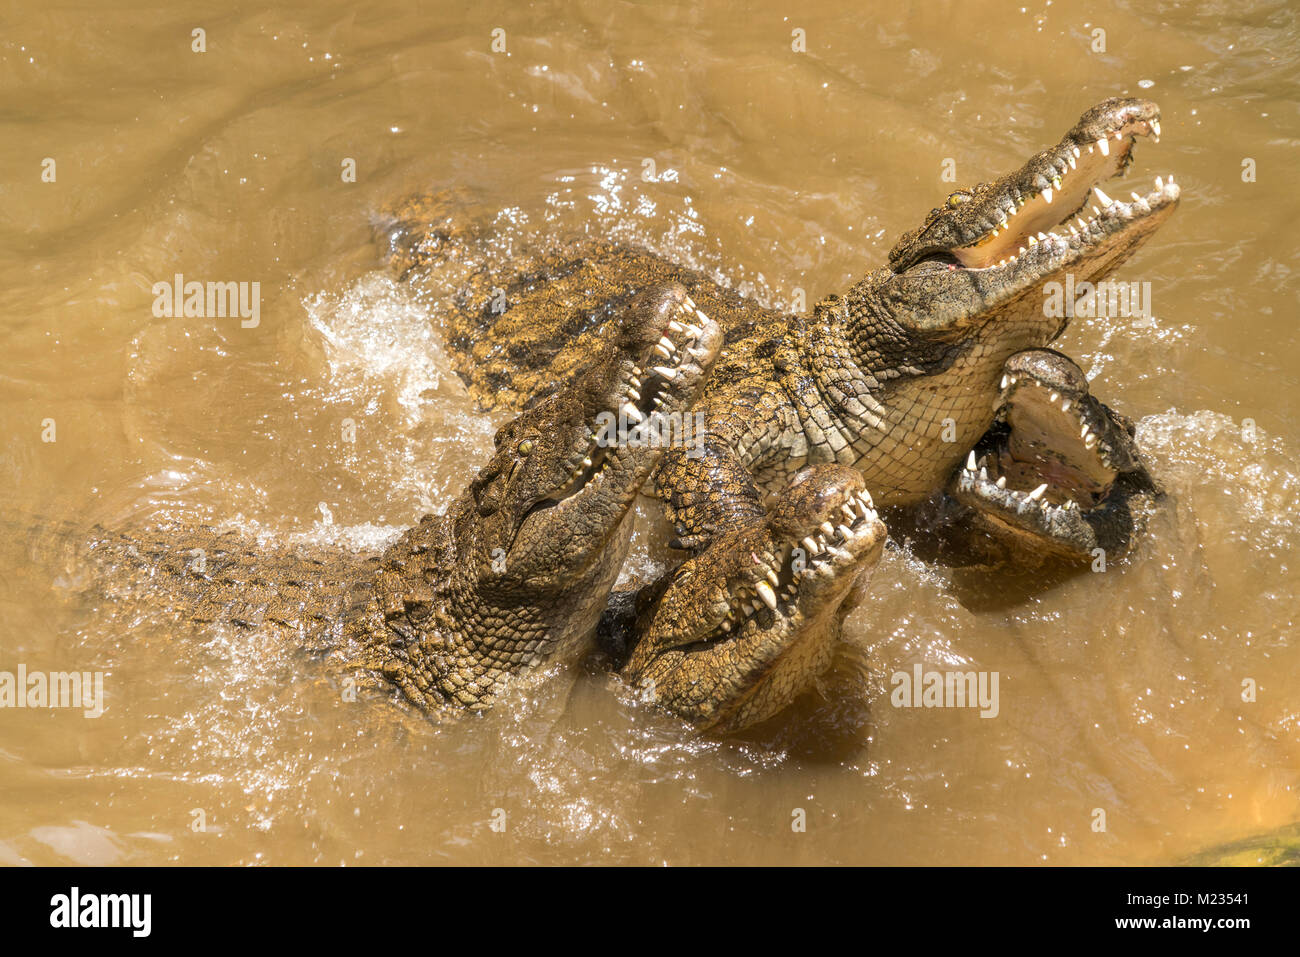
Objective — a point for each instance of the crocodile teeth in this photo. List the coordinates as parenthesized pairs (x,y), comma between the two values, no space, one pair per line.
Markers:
(1155,127)
(769,597)
(771,576)
(694,331)
(828,528)
(1047,195)
(844,531)
(810,546)
(675,326)
(841,553)
(1136,197)
(1054,396)
(635,395)
(1105,200)
(668,344)
(1033,241)
(1090,441)
(660,350)
(1065,406)
(1103,146)
(666,372)
(632,412)
(847,509)
(1077,154)
(1073,162)
(1002,481)
(1038,492)
(1083,432)
(1159,183)
(1005,381)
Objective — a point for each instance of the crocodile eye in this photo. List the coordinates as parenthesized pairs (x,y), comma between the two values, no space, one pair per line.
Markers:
(525,446)
(956,199)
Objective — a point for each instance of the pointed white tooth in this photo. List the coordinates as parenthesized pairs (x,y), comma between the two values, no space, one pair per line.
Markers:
(1033,240)
(675,326)
(1136,197)
(661,351)
(1073,163)
(1053,397)
(847,509)
(970,461)
(703,318)
(1065,406)
(1077,154)
(769,597)
(697,353)
(636,396)
(1090,441)
(845,532)
(1042,236)
(1105,200)
(827,528)
(1155,127)
(841,554)
(1159,183)
(633,413)
(1005,380)
(1096,211)
(1104,146)
(587,461)
(1082,224)
(694,331)
(1083,431)
(1038,492)
(666,372)
(1091,148)
(810,546)
(984,474)
(1002,481)
(771,576)
(1171,179)
(1047,195)
(667,344)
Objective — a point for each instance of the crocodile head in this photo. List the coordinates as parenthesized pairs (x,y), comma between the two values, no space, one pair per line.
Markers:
(739,632)
(1059,471)
(980,257)
(519,568)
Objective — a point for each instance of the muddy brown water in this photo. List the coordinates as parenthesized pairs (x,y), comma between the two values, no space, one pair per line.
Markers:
(701,133)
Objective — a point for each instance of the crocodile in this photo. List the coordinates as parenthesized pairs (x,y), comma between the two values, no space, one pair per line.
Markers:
(1059,474)
(900,378)
(462,606)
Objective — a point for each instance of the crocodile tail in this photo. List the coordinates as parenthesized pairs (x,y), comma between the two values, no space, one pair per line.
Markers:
(193,574)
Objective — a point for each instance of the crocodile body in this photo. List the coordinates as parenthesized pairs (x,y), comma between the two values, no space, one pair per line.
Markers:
(901,378)
(809,422)
(513,575)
